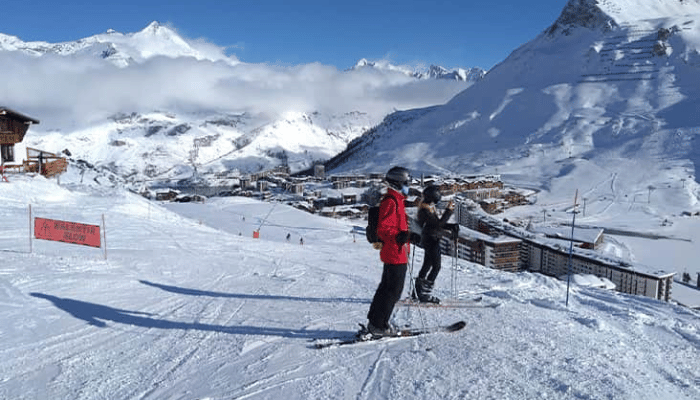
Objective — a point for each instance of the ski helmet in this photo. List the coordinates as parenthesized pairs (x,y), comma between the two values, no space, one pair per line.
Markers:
(432,194)
(397,177)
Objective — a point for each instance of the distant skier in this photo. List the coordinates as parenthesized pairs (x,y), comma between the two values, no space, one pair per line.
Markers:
(430,240)
(289,235)
(392,229)
(301,241)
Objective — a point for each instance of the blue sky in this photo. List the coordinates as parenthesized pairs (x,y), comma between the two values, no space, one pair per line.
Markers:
(447,33)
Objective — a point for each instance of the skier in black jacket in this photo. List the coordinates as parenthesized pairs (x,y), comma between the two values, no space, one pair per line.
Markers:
(431,226)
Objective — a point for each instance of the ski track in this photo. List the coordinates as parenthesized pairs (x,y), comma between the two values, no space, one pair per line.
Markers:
(193,346)
(374,386)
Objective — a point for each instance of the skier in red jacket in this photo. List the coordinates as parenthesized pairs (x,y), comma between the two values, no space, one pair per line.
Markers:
(392,229)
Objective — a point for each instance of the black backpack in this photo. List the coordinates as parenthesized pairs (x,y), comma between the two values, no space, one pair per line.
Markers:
(372,222)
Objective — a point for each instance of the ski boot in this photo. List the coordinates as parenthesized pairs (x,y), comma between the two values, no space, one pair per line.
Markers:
(424,291)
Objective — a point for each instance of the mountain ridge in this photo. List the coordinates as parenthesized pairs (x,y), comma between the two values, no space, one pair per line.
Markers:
(596,87)
(432,72)
(121,49)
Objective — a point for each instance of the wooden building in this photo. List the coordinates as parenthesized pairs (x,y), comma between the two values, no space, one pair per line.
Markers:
(13,127)
(44,162)
(481,194)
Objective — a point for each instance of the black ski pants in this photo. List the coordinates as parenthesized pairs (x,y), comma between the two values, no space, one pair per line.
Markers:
(431,261)
(387,294)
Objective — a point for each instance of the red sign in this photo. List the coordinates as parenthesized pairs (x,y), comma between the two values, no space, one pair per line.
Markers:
(69,232)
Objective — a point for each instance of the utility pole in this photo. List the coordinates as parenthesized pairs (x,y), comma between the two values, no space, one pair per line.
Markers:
(571,249)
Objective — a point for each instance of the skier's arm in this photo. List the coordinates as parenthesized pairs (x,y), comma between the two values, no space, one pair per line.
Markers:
(445,217)
(447,214)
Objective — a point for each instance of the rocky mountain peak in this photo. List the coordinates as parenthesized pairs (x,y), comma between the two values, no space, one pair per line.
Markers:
(581,13)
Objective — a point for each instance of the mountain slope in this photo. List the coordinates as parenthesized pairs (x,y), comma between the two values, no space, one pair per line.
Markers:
(167,146)
(600,82)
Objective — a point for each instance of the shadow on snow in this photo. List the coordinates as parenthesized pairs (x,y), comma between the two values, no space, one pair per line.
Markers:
(197,292)
(96,315)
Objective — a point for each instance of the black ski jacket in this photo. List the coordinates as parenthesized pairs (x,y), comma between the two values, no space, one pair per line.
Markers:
(430,224)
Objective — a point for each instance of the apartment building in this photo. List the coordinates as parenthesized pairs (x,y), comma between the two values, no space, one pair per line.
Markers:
(549,256)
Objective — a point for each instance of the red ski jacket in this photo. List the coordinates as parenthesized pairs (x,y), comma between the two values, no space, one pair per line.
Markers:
(392,220)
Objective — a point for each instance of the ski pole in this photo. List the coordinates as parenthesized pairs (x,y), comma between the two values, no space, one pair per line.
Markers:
(454,271)
(410,274)
(412,289)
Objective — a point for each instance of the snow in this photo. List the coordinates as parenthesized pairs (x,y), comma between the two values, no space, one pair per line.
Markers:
(187,305)
(183,303)
(124,50)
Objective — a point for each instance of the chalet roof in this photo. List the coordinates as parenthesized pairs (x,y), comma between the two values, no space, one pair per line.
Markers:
(14,114)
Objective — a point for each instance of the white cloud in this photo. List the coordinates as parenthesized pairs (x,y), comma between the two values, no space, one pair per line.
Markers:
(65,92)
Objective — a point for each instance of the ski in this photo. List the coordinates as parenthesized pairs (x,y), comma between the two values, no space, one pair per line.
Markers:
(476,302)
(364,337)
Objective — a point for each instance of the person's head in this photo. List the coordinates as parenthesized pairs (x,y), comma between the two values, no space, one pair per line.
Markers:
(398,179)
(432,195)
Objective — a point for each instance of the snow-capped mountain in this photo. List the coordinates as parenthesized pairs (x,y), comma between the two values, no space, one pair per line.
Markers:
(170,95)
(609,80)
(165,146)
(122,49)
(433,72)
(459,74)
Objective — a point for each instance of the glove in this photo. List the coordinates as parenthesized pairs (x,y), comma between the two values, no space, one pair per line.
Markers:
(402,238)
(415,238)
(454,230)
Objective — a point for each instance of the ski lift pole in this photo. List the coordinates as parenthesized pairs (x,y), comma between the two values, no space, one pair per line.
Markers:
(268,214)
(256,233)
(571,249)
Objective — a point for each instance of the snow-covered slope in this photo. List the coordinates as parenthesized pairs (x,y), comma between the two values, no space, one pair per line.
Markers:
(187,305)
(614,79)
(164,146)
